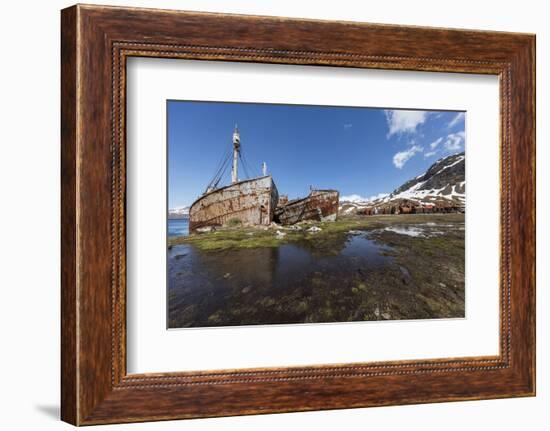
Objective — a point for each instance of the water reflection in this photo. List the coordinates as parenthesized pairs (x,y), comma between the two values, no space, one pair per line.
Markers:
(266,285)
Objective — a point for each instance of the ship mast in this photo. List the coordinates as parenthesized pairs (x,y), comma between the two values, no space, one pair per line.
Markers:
(236,150)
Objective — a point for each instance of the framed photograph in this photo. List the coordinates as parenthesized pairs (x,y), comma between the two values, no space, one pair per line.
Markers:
(266,215)
(242,252)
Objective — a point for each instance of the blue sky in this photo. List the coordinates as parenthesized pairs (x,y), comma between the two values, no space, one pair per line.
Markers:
(358,151)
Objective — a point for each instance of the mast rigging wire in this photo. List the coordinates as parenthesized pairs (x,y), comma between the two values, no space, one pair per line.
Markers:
(223,164)
(220,171)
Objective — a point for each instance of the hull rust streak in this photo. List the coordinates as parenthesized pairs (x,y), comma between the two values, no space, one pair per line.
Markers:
(320,205)
(252,202)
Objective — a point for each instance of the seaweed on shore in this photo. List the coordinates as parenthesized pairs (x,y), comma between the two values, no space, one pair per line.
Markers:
(423,278)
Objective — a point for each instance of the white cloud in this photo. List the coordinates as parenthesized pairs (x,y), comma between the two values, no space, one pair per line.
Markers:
(436,143)
(454,141)
(348,126)
(450,143)
(402,157)
(457,119)
(400,121)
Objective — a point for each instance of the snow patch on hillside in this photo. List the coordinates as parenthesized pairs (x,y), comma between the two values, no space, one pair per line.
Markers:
(453,191)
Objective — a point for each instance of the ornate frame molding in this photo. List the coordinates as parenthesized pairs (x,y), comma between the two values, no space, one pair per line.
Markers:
(96,41)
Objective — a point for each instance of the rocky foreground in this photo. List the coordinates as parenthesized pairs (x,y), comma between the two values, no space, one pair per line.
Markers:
(357,268)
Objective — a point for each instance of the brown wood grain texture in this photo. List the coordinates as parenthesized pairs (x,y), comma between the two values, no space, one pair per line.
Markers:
(95,43)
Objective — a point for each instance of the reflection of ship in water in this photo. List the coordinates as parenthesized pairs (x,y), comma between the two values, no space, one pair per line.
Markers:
(202,283)
(254,201)
(244,286)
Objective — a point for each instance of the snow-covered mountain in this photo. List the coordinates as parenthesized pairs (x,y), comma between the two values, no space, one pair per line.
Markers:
(443,183)
(182,212)
(350,204)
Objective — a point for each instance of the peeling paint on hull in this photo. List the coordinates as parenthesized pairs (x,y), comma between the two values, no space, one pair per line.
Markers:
(320,205)
(251,201)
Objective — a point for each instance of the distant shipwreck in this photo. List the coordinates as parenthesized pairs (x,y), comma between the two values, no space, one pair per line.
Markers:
(321,205)
(255,201)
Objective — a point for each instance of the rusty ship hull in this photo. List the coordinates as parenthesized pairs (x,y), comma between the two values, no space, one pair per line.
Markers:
(319,205)
(250,201)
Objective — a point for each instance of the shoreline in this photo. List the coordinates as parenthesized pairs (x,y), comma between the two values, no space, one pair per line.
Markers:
(309,231)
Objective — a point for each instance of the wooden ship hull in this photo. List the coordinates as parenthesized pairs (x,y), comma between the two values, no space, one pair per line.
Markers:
(320,205)
(250,201)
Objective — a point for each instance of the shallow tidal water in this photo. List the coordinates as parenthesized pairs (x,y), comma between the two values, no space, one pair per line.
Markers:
(359,278)
(178,227)
(203,283)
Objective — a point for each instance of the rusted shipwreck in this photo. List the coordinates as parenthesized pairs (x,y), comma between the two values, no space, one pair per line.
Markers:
(320,205)
(255,201)
(249,201)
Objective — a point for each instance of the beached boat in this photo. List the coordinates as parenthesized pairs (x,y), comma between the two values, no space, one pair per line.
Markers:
(320,205)
(248,202)
(255,201)
(251,202)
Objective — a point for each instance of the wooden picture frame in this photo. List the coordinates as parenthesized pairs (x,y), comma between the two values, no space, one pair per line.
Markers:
(95,43)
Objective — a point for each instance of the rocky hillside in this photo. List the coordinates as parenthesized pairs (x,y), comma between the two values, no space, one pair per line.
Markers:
(444,182)
(441,178)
